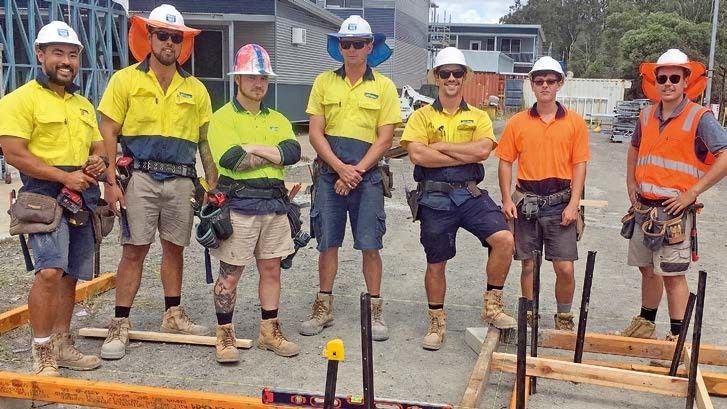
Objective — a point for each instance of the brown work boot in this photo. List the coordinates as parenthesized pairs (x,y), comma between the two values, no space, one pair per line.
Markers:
(114,346)
(67,356)
(321,317)
(437,329)
(272,338)
(44,361)
(638,328)
(379,331)
(176,321)
(226,345)
(564,321)
(671,337)
(493,311)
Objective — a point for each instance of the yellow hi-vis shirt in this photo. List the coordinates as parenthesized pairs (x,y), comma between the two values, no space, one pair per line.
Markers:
(431,124)
(59,130)
(156,125)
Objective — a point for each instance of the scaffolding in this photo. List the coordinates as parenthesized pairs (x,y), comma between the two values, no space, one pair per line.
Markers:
(439,32)
(102,27)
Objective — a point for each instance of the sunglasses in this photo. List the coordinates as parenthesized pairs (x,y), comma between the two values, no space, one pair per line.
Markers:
(356,44)
(540,83)
(444,74)
(164,36)
(674,79)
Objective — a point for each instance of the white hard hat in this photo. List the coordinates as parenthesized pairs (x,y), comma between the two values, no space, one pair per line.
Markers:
(672,57)
(546,64)
(354,26)
(450,55)
(57,32)
(252,59)
(167,16)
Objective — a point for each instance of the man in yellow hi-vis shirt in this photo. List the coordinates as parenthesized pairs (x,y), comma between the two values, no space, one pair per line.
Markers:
(353,111)
(250,144)
(49,132)
(159,113)
(447,141)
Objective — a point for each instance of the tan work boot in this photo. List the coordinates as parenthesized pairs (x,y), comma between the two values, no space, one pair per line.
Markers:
(272,338)
(321,317)
(564,321)
(379,331)
(114,347)
(226,345)
(437,329)
(67,356)
(671,337)
(639,327)
(493,311)
(44,361)
(176,321)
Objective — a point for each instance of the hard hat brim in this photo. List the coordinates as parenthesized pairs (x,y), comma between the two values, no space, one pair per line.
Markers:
(696,84)
(139,43)
(76,43)
(264,73)
(379,54)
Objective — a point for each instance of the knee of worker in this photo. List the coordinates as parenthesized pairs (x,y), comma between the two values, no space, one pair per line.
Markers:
(564,269)
(49,276)
(171,249)
(647,272)
(676,283)
(371,255)
(436,269)
(134,254)
(502,242)
(528,267)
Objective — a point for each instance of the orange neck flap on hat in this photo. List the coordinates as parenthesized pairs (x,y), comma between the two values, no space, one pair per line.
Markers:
(696,83)
(139,39)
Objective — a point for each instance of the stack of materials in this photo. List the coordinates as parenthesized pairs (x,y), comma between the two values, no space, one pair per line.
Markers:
(627,114)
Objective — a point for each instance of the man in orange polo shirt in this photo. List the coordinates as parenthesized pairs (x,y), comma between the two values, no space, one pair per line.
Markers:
(551,145)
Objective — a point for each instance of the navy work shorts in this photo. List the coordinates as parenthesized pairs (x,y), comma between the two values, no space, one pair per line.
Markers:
(68,248)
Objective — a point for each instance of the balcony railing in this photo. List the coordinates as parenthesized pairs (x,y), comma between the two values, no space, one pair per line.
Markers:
(521,57)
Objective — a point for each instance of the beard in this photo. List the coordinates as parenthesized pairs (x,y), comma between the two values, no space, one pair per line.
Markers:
(257,97)
(164,59)
(55,78)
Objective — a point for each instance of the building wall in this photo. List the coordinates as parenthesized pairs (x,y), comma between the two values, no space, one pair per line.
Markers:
(527,44)
(265,7)
(411,65)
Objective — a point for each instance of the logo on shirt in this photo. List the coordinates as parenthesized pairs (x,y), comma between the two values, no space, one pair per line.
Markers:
(184,95)
(371,95)
(171,18)
(274,128)
(467,122)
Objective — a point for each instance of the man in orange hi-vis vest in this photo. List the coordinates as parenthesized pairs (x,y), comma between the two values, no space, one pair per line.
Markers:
(676,153)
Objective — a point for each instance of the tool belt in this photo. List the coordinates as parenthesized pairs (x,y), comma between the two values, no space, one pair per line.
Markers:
(241,191)
(530,203)
(164,167)
(214,226)
(659,228)
(34,213)
(446,187)
(300,237)
(103,220)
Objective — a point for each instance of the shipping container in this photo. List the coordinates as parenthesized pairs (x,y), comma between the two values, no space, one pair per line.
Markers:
(479,86)
(587,96)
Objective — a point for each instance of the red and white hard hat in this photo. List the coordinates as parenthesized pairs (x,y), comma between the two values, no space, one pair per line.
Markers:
(252,59)
(166,17)
(57,32)
(696,82)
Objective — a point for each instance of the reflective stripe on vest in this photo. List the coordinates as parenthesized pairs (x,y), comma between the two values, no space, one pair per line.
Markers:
(667,164)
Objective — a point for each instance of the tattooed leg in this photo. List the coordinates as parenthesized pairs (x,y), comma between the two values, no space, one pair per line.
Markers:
(226,288)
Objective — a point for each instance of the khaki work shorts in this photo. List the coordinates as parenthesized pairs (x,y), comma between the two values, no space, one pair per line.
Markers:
(163,205)
(669,260)
(260,237)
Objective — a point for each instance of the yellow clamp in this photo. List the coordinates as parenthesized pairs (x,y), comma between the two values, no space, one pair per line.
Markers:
(334,350)
(204,184)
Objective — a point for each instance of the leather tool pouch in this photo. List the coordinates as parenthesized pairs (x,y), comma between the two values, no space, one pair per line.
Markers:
(387,179)
(219,219)
(653,234)
(580,225)
(34,213)
(79,219)
(205,235)
(530,207)
(105,217)
(628,222)
(412,199)
(675,229)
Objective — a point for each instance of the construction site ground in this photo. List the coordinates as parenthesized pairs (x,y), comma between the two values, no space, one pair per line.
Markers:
(403,370)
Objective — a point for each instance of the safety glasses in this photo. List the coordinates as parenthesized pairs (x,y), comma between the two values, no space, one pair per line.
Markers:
(540,83)
(164,36)
(444,74)
(356,44)
(674,79)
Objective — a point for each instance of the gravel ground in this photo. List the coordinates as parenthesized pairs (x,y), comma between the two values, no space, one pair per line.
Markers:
(402,368)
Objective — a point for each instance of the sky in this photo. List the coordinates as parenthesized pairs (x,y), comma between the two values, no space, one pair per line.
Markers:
(474,11)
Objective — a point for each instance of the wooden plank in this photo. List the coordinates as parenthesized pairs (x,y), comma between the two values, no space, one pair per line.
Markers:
(716,382)
(594,375)
(626,346)
(99,394)
(513,397)
(702,397)
(163,337)
(481,372)
(594,203)
(17,317)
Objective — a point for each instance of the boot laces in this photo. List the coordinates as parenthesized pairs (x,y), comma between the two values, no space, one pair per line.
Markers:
(70,346)
(635,323)
(228,338)
(45,356)
(377,313)
(319,309)
(565,324)
(184,318)
(278,334)
(434,324)
(114,331)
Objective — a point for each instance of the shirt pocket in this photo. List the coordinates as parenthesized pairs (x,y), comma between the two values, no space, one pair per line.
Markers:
(52,127)
(143,106)
(368,115)
(185,118)
(464,133)
(331,108)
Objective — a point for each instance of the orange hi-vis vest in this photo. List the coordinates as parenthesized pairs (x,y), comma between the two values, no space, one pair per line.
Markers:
(667,164)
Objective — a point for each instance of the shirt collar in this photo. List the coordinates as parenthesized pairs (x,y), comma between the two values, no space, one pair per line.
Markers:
(559,113)
(43,80)
(239,108)
(144,67)
(658,112)
(437,105)
(368,74)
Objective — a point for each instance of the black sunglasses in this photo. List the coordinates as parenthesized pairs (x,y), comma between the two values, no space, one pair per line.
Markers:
(356,44)
(444,74)
(674,79)
(540,83)
(164,36)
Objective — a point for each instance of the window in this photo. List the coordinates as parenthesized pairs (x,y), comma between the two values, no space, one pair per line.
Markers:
(490,45)
(509,45)
(206,61)
(475,45)
(345,4)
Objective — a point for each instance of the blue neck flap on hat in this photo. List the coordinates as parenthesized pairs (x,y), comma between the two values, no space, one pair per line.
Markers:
(379,54)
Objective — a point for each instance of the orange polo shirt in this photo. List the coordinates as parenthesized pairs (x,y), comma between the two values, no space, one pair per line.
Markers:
(546,152)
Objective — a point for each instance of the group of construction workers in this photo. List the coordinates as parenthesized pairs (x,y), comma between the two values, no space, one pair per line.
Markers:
(162,118)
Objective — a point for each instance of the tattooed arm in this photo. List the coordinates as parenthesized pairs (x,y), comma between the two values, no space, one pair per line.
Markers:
(238,159)
(208,163)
